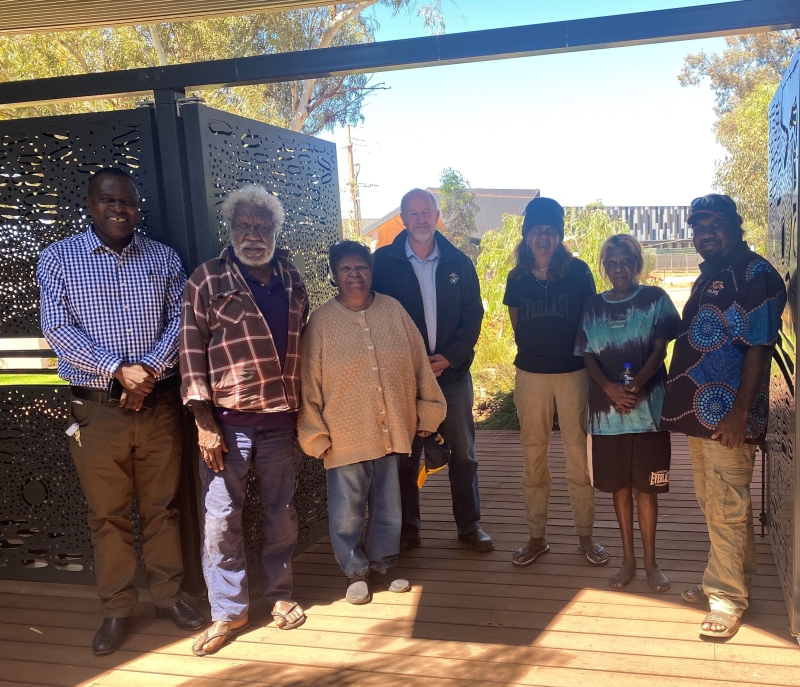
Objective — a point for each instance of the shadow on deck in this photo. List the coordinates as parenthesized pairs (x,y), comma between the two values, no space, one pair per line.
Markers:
(471,619)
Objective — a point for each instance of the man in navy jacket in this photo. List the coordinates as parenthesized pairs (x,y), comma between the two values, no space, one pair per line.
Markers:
(438,286)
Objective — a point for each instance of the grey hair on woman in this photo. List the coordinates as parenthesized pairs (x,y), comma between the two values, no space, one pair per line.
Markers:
(257,196)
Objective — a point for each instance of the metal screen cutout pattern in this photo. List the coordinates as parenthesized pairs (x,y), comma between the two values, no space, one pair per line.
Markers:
(45,165)
(781,435)
(301,171)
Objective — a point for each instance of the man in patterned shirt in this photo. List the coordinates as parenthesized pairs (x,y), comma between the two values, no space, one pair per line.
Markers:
(243,314)
(717,393)
(110,306)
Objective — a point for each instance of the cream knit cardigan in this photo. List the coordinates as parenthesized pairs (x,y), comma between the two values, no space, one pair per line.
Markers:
(367,385)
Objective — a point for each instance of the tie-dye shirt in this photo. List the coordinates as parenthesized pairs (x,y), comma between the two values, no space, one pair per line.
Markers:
(619,332)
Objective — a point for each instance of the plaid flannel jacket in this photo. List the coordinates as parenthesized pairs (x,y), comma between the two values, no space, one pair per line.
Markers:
(227,355)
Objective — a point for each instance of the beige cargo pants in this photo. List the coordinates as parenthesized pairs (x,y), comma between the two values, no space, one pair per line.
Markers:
(722,479)
(536,396)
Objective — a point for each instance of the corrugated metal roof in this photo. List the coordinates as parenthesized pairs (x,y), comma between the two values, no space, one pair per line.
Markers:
(57,15)
(493,204)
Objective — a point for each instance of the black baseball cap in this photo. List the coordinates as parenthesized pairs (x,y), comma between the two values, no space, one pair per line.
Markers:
(716,205)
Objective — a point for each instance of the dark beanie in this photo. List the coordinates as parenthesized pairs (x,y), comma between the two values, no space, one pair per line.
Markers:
(543,211)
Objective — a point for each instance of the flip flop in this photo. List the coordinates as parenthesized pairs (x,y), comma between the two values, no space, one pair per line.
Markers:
(694,595)
(730,622)
(206,639)
(589,553)
(531,561)
(287,625)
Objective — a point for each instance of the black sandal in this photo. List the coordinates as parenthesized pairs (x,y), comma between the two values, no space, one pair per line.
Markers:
(520,560)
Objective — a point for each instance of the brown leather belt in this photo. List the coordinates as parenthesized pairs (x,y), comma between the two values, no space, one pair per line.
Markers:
(99,395)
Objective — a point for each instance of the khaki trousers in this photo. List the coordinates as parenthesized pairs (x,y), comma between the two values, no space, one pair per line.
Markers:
(536,396)
(122,450)
(722,479)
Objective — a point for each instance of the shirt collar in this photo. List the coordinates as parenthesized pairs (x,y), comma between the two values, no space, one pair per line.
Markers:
(410,254)
(93,243)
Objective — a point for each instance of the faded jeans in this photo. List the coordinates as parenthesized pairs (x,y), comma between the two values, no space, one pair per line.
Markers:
(276,459)
(722,479)
(371,490)
(536,396)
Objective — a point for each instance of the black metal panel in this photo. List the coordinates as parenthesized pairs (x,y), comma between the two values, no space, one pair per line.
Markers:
(225,152)
(537,39)
(45,164)
(782,479)
(43,531)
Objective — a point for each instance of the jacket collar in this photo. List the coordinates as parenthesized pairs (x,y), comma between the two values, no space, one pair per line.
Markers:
(447,251)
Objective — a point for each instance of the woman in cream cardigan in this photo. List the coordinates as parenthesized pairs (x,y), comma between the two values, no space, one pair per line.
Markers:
(367,389)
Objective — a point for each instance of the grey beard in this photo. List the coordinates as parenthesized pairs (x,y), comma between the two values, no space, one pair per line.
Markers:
(254,262)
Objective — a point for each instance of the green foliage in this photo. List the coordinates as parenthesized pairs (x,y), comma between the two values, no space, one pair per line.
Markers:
(493,368)
(744,77)
(24,380)
(585,230)
(458,208)
(309,106)
(498,412)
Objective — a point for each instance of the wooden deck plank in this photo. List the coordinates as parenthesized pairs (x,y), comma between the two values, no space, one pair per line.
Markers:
(470,620)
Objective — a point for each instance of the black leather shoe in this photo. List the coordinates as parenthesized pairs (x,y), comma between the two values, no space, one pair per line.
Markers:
(478,540)
(408,544)
(110,636)
(183,615)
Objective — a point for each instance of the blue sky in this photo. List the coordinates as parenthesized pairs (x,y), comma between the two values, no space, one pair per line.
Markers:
(607,124)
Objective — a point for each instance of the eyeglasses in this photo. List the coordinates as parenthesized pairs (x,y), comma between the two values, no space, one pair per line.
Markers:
(712,200)
(544,230)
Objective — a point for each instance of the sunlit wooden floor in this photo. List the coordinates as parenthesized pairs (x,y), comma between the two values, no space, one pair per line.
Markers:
(470,620)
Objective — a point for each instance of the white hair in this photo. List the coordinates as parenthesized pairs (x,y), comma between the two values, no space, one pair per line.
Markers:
(256,195)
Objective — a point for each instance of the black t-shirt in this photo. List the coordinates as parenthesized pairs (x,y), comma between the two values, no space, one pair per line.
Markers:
(548,318)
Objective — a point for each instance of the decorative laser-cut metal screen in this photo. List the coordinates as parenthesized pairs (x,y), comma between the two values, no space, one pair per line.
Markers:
(782,479)
(45,164)
(226,152)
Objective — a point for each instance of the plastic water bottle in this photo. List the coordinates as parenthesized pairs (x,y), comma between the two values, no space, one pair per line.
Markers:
(627,375)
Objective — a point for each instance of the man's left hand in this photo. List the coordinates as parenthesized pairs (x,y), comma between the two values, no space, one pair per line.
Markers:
(438,363)
(732,430)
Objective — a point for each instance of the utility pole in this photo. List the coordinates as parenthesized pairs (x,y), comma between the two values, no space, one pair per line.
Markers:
(353,184)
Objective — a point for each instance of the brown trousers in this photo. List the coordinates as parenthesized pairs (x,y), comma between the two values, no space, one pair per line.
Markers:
(122,450)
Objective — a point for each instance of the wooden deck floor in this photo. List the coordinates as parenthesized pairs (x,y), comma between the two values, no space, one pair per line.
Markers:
(470,620)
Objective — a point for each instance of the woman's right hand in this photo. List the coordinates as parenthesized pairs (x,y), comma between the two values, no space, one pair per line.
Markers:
(621,397)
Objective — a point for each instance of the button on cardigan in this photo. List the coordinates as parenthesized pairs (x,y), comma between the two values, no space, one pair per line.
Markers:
(367,385)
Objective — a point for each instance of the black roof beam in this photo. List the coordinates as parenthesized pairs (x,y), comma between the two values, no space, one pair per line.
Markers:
(743,16)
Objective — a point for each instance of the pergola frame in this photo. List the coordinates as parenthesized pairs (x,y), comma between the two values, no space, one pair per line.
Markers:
(640,28)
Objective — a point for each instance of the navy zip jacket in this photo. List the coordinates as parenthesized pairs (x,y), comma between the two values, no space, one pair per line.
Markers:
(459,309)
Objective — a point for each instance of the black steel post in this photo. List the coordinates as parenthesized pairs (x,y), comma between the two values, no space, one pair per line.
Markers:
(176,209)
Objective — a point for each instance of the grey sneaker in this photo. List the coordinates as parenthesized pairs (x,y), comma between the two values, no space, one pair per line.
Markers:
(357,590)
(389,579)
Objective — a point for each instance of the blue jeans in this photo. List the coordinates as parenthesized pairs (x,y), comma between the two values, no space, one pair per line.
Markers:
(370,486)
(458,429)
(276,458)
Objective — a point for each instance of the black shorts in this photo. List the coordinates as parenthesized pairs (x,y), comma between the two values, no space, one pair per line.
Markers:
(631,460)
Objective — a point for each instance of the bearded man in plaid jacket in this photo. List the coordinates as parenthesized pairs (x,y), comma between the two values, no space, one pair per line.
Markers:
(242,317)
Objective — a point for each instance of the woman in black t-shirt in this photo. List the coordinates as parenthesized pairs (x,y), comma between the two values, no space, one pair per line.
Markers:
(545,295)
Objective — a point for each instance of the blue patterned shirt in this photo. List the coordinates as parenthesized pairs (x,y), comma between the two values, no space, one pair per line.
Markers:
(734,305)
(100,309)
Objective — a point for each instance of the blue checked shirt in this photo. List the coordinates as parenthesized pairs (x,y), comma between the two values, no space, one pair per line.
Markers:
(101,309)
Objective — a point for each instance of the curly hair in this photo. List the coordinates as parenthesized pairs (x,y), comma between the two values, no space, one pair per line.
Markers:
(627,242)
(252,194)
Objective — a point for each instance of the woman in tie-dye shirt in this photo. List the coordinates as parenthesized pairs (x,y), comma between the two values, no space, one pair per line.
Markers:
(629,325)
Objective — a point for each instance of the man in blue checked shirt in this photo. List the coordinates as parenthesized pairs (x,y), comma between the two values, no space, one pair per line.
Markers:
(110,302)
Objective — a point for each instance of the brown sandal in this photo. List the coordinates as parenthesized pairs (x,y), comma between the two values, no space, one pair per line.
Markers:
(730,622)
(519,556)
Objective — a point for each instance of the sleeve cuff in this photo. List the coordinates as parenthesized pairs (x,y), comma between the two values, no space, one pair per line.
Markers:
(154,362)
(315,447)
(108,364)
